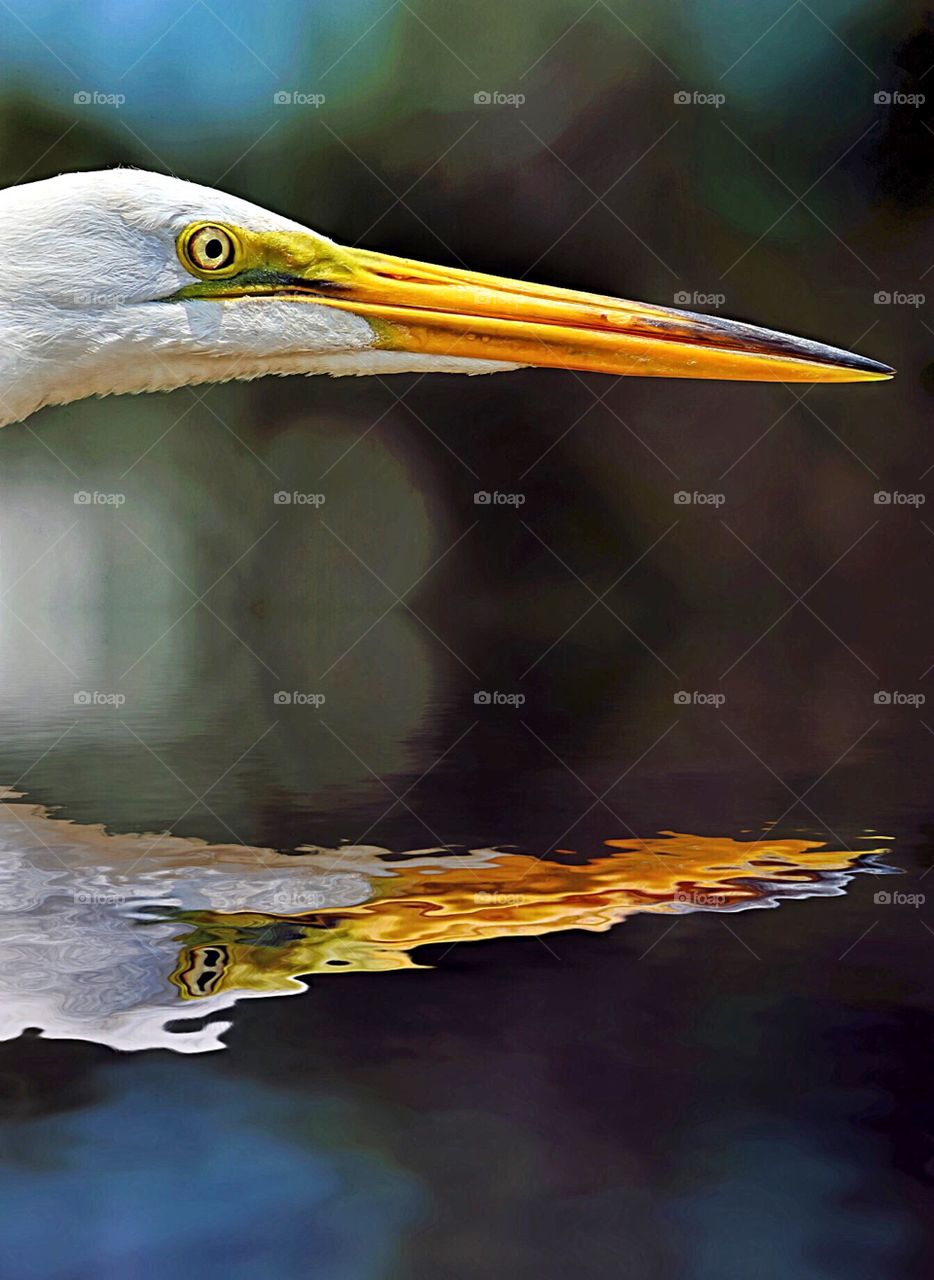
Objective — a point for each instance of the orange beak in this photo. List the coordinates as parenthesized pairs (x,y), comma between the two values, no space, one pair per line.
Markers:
(445,312)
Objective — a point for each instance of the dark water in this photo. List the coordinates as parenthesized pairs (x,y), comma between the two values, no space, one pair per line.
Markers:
(509,1046)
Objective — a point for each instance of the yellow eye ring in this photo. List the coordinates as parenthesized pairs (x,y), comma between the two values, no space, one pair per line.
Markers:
(208,249)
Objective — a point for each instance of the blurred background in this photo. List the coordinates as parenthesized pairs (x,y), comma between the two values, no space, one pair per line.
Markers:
(386,659)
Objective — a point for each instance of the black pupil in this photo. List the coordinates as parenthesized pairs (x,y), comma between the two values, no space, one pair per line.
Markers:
(214,248)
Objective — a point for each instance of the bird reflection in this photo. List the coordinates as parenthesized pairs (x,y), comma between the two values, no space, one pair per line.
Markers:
(137,942)
(502,895)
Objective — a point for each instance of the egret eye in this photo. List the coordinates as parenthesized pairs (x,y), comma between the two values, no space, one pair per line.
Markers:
(208,248)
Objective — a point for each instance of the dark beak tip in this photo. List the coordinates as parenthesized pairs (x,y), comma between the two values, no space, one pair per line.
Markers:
(862,364)
(758,341)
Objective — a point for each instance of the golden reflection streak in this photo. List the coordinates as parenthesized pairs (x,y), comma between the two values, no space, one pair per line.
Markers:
(514,895)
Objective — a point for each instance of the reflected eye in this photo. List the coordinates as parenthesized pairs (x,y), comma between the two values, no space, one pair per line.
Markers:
(208,248)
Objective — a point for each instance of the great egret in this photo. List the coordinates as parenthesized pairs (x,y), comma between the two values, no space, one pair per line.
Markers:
(125,281)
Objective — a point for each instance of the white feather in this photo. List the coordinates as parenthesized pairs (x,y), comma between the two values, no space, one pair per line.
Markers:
(84,260)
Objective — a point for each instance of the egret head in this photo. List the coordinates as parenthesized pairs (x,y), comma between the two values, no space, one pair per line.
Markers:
(125,281)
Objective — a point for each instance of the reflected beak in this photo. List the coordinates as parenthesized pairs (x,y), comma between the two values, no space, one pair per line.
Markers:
(441,311)
(444,312)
